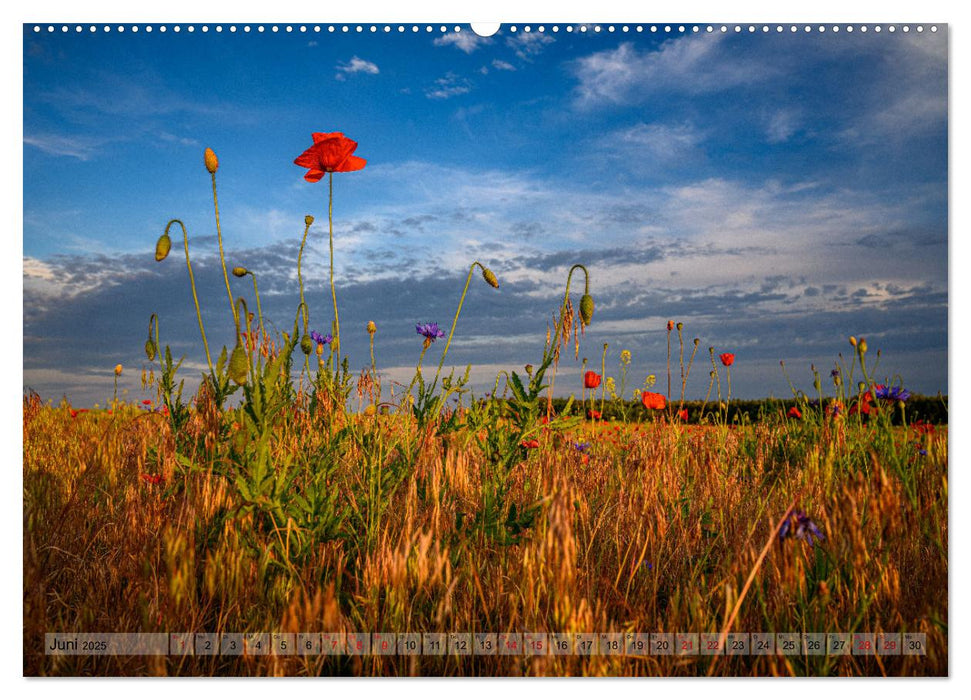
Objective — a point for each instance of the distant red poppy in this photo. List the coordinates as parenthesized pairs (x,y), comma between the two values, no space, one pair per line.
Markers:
(864,405)
(331,153)
(683,414)
(727,358)
(147,402)
(591,380)
(593,415)
(652,400)
(153,479)
(530,444)
(670,326)
(794,413)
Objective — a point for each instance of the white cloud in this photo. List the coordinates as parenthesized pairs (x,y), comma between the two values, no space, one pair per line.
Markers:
(448,86)
(693,64)
(527,45)
(80,147)
(659,141)
(502,65)
(356,65)
(464,41)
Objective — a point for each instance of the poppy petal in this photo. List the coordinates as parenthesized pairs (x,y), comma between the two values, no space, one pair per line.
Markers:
(307,159)
(351,164)
(313,175)
(318,137)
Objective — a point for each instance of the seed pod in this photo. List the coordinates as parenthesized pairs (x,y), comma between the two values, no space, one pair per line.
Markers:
(238,365)
(586,309)
(307,344)
(371,328)
(212,163)
(240,271)
(150,349)
(163,247)
(308,219)
(490,277)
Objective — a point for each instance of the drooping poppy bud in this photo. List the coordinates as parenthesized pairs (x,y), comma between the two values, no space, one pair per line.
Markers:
(163,247)
(240,271)
(212,163)
(238,364)
(490,277)
(150,349)
(307,344)
(586,309)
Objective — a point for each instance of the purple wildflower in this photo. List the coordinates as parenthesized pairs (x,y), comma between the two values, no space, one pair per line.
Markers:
(797,524)
(321,339)
(893,393)
(834,373)
(581,446)
(429,330)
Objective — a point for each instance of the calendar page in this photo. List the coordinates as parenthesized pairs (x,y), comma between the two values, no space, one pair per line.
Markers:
(441,350)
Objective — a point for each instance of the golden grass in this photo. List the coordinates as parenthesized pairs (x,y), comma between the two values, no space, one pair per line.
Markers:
(658,531)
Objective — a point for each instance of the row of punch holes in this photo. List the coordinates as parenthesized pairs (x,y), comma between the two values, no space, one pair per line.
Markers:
(414,28)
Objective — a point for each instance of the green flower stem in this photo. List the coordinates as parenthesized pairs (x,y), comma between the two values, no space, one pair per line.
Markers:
(455,321)
(333,292)
(249,332)
(603,375)
(195,297)
(219,237)
(303,303)
(555,348)
(259,307)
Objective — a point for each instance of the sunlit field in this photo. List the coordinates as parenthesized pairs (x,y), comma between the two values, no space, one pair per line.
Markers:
(292,494)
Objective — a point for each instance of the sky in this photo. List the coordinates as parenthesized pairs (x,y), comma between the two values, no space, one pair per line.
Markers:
(774,192)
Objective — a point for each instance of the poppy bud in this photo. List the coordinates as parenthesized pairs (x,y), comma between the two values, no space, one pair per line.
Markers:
(490,277)
(307,344)
(371,328)
(320,349)
(862,346)
(150,349)
(529,370)
(308,219)
(163,247)
(853,340)
(586,309)
(118,370)
(670,326)
(212,163)
(370,410)
(238,365)
(680,326)
(240,271)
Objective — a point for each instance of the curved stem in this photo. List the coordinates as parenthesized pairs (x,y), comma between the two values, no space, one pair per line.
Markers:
(468,280)
(219,237)
(259,307)
(303,242)
(195,297)
(249,330)
(555,348)
(333,292)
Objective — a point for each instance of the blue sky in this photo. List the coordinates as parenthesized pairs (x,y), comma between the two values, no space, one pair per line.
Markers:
(775,192)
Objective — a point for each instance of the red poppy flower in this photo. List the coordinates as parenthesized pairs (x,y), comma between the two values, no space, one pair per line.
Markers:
(147,402)
(864,405)
(727,358)
(591,380)
(652,400)
(683,414)
(794,413)
(530,444)
(331,153)
(593,415)
(153,479)
(670,326)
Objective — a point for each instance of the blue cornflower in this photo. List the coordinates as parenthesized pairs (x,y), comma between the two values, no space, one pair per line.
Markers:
(321,339)
(429,330)
(581,446)
(797,524)
(893,393)
(834,373)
